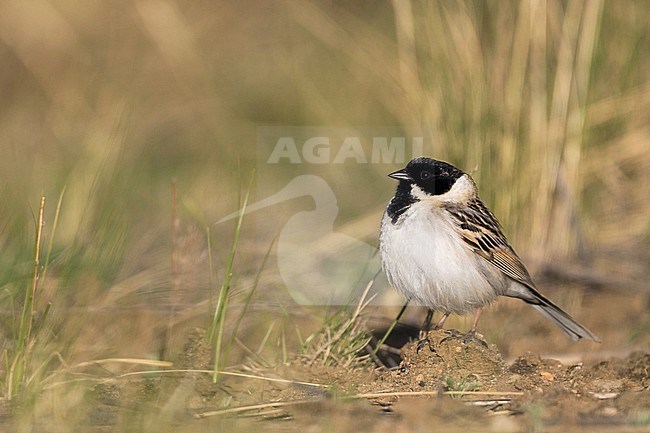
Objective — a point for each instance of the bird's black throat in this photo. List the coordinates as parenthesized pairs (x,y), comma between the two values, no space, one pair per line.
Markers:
(400,203)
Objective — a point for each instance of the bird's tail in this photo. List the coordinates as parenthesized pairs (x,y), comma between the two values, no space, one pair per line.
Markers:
(528,294)
(568,324)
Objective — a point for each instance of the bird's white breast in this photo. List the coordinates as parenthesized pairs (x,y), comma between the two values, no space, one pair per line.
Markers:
(428,262)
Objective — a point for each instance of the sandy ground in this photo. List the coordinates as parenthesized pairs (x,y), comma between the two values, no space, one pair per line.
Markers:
(453,383)
(522,374)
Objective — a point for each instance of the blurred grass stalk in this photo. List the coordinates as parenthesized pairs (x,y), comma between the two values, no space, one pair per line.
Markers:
(19,362)
(504,87)
(496,111)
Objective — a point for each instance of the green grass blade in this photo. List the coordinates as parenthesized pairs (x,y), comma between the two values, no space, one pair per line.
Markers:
(51,242)
(219,318)
(390,328)
(250,294)
(210,277)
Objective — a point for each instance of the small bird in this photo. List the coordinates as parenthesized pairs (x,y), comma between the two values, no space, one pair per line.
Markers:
(443,249)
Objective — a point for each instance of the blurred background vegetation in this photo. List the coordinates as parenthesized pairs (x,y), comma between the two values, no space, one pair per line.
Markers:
(546,103)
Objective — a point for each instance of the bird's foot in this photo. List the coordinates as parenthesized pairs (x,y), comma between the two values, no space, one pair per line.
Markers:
(465,338)
(423,342)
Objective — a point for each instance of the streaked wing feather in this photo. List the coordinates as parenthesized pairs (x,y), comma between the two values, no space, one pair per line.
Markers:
(509,264)
(481,231)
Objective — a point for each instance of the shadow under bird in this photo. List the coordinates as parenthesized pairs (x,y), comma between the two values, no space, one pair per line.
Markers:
(443,249)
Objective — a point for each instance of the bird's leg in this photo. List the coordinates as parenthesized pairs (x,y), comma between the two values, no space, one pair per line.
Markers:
(442,321)
(475,323)
(424,341)
(471,335)
(452,332)
(424,330)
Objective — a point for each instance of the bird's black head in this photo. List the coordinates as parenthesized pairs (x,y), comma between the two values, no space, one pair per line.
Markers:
(431,176)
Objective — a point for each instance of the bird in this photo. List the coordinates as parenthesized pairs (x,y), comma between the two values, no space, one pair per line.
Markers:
(442,248)
(318,265)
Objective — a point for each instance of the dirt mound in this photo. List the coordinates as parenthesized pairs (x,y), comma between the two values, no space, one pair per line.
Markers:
(614,391)
(448,360)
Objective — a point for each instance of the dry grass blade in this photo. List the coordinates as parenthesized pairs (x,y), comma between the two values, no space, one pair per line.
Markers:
(173,371)
(422,393)
(227,373)
(134,361)
(277,404)
(341,338)
(239,409)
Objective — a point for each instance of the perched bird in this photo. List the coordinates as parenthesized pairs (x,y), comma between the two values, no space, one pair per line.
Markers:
(443,248)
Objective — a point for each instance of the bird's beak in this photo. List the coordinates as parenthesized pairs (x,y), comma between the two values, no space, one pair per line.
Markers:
(400,175)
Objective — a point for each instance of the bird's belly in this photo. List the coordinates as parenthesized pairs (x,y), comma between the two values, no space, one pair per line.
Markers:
(429,263)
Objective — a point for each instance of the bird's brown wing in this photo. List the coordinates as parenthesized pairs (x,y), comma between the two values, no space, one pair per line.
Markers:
(481,231)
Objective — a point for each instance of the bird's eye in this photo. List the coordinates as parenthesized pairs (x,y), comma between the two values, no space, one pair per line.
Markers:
(425,175)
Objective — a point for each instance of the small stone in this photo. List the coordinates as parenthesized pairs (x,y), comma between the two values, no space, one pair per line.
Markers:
(526,364)
(605,395)
(547,376)
(607,385)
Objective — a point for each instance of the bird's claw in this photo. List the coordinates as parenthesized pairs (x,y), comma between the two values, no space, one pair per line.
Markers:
(422,343)
(465,338)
